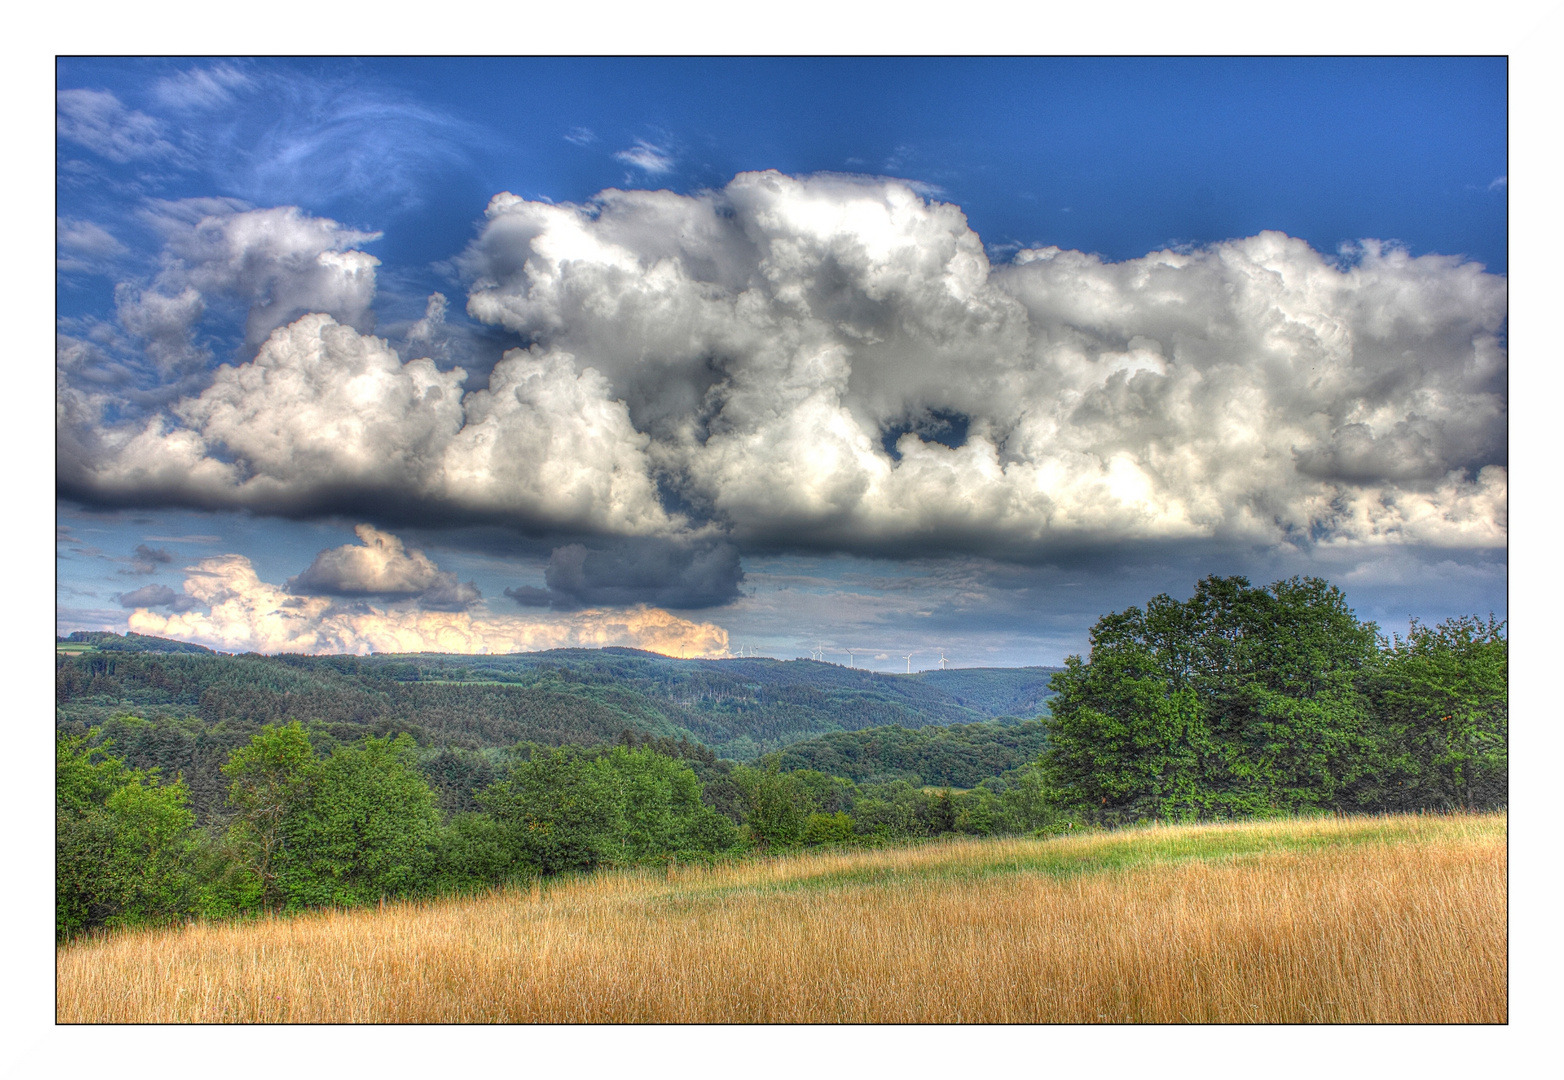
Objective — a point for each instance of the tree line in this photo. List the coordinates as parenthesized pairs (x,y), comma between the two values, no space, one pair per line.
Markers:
(1241,701)
(301,828)
(1245,701)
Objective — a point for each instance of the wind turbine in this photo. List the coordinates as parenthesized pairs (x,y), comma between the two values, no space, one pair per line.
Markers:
(942,659)
(850,659)
(908,658)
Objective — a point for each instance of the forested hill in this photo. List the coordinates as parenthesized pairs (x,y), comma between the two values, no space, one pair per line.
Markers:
(995,691)
(959,756)
(740,708)
(103,641)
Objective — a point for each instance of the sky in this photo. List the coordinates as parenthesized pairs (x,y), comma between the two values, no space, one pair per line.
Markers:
(716,357)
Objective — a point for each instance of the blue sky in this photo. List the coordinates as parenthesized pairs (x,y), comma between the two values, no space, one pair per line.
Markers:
(929,387)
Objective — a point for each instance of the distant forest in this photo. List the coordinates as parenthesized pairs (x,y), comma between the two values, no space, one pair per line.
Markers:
(195,783)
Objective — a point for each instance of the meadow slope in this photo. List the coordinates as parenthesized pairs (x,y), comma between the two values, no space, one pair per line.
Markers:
(1379,920)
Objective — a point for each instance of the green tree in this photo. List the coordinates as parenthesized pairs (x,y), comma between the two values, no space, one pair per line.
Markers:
(268,784)
(658,807)
(124,842)
(364,828)
(558,810)
(775,806)
(475,851)
(1239,701)
(834,828)
(1444,694)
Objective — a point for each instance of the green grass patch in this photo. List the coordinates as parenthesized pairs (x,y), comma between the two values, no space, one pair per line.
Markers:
(1109,852)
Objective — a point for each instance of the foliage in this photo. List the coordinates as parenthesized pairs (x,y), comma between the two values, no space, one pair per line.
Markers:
(776,806)
(959,756)
(103,641)
(739,708)
(124,842)
(268,791)
(344,780)
(1248,701)
(1443,692)
(365,828)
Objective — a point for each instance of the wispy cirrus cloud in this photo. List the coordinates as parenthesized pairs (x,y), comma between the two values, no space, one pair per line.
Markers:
(204,88)
(648,157)
(99,121)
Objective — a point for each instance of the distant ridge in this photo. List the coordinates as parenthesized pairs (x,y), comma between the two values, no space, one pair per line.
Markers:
(104,641)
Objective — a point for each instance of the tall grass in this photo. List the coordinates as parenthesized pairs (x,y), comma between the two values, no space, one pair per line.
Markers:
(1356,920)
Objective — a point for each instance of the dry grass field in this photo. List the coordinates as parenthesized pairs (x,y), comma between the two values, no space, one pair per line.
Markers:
(1382,920)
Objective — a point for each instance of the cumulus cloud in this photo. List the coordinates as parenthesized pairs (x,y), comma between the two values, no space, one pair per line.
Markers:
(273,264)
(99,121)
(279,262)
(834,363)
(326,419)
(428,336)
(232,609)
(665,573)
(380,565)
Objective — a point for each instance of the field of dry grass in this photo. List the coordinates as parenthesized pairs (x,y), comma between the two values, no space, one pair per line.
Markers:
(1357,920)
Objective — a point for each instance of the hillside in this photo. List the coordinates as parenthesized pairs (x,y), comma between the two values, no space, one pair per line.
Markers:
(1380,920)
(197,706)
(103,641)
(958,756)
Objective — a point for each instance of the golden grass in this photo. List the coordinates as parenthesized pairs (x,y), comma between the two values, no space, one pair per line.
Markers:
(1388,920)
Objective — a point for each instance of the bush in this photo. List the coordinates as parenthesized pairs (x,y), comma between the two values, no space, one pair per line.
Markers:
(125,844)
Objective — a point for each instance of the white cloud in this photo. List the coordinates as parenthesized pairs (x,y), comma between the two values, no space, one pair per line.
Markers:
(98,120)
(381,566)
(753,351)
(648,157)
(231,608)
(324,414)
(202,87)
(275,263)
(280,261)
(770,334)
(84,245)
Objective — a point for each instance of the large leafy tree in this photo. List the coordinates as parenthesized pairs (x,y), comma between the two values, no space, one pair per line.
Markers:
(124,842)
(659,809)
(776,806)
(1240,700)
(558,811)
(1443,692)
(268,788)
(366,827)
(352,827)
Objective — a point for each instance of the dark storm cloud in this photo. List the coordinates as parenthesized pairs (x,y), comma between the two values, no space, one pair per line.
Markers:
(146,560)
(662,574)
(150,596)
